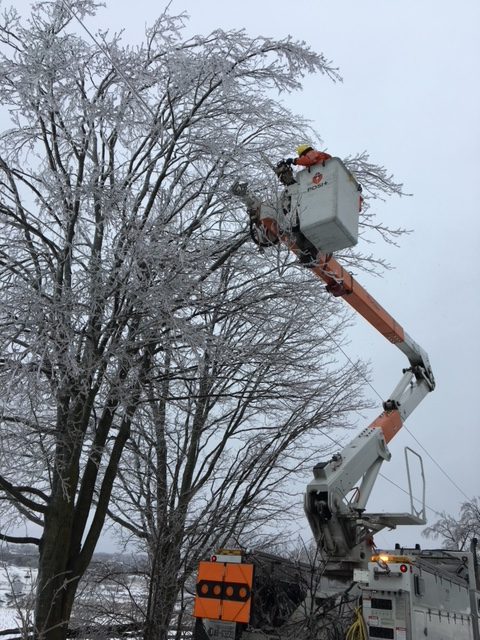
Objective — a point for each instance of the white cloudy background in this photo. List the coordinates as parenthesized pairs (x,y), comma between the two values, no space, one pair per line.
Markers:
(411,98)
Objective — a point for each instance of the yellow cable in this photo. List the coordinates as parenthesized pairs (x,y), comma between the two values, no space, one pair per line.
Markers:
(358,630)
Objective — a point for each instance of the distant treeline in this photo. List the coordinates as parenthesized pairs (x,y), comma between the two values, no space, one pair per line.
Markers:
(20,555)
(26,555)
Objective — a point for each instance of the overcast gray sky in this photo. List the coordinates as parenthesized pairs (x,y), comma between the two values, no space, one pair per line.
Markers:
(411,98)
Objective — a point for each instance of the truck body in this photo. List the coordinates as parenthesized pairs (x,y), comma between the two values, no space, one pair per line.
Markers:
(404,595)
(421,593)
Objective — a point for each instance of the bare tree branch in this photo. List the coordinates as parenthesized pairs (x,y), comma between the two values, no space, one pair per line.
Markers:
(19,539)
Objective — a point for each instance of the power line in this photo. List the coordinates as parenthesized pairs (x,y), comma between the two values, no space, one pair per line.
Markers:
(407,493)
(437,464)
(338,443)
(360,372)
(105,51)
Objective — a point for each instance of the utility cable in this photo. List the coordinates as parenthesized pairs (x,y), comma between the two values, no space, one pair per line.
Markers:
(362,375)
(105,51)
(437,513)
(339,444)
(358,629)
(437,464)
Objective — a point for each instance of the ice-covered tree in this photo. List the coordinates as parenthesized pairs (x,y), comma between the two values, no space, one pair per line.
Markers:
(128,294)
(457,532)
(220,433)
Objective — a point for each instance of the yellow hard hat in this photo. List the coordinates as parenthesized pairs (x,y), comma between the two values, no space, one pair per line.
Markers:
(302,148)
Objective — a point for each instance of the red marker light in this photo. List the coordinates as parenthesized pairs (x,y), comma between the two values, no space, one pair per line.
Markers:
(403,568)
(213,558)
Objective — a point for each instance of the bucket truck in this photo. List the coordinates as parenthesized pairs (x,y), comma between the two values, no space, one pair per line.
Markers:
(403,594)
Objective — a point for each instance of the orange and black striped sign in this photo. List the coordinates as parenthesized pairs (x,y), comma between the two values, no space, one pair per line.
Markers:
(224,591)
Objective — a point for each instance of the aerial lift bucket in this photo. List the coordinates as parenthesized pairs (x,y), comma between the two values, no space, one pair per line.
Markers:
(325,202)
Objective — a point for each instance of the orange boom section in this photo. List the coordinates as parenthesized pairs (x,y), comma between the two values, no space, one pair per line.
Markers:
(390,422)
(341,283)
(224,591)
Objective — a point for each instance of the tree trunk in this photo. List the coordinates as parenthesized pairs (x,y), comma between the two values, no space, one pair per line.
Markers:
(56,586)
(163,591)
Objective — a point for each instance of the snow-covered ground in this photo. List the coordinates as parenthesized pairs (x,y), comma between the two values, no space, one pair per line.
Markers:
(112,593)
(15,587)
(105,597)
(9,618)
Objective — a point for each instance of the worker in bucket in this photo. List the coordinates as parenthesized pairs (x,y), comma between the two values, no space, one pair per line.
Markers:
(308,156)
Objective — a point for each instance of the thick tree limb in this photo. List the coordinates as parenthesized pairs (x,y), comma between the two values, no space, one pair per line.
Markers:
(17,494)
(19,539)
